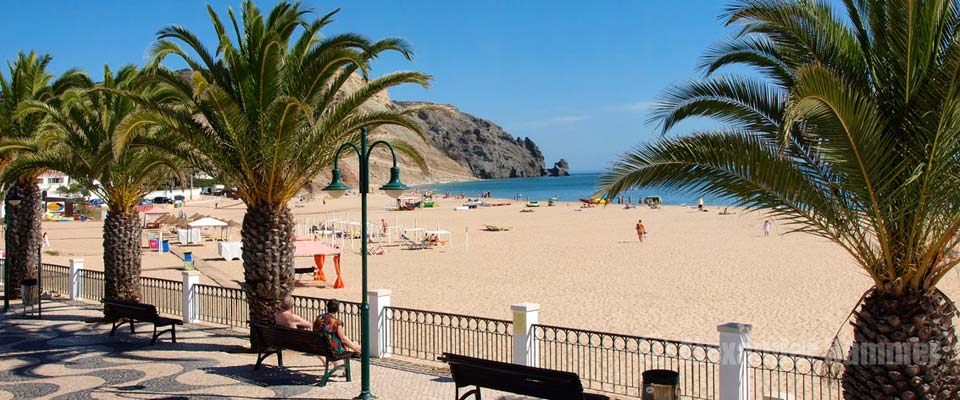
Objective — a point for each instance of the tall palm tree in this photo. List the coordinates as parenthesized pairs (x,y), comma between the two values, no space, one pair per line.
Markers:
(267,114)
(27,80)
(77,137)
(849,132)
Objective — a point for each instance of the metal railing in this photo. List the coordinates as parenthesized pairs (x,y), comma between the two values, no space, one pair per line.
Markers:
(312,307)
(56,278)
(91,284)
(164,294)
(614,363)
(777,375)
(225,306)
(428,334)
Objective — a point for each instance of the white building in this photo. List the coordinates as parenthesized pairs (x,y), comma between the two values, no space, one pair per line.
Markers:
(51,181)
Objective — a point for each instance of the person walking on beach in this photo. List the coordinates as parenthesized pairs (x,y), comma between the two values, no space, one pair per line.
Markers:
(641,230)
(383,226)
(46,240)
(766,228)
(700,204)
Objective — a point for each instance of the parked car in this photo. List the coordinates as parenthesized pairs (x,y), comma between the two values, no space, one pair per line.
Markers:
(179,197)
(96,202)
(145,202)
(161,200)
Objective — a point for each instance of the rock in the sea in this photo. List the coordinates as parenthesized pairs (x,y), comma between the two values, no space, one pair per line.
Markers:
(560,168)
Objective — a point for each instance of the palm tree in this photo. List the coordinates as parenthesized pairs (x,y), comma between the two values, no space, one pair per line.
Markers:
(77,138)
(27,80)
(850,132)
(267,114)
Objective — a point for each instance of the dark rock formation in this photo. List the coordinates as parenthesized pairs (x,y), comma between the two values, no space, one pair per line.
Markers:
(480,145)
(560,168)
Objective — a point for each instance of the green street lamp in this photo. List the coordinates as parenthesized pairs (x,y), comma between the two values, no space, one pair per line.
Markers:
(337,188)
(14,199)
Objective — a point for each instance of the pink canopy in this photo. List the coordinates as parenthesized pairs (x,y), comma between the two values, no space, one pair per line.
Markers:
(153,210)
(309,248)
(319,251)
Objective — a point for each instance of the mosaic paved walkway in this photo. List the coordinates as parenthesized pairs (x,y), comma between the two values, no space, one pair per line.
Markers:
(64,357)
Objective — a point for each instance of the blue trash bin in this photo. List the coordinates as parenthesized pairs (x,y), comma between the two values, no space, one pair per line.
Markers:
(187,256)
(166,246)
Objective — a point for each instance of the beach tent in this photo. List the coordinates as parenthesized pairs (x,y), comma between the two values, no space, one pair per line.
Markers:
(319,251)
(152,213)
(208,222)
(188,235)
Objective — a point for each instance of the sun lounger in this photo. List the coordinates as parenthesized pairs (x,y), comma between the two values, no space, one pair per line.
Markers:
(415,245)
(497,228)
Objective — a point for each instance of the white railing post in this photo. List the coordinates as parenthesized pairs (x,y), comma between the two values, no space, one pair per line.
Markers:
(734,371)
(73,284)
(525,315)
(379,323)
(191,303)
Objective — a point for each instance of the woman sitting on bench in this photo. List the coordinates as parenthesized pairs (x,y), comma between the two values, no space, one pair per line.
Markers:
(330,325)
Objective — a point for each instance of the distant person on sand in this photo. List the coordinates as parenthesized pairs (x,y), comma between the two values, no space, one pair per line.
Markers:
(286,318)
(641,230)
(383,226)
(700,204)
(46,240)
(766,228)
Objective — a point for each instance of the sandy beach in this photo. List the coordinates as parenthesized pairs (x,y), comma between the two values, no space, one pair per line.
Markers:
(585,267)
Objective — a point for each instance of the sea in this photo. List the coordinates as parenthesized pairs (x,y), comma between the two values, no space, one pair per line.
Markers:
(565,188)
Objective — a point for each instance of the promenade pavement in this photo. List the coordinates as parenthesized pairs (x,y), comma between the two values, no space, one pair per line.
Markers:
(63,356)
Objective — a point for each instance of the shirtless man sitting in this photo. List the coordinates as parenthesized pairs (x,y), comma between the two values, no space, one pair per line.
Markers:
(287,319)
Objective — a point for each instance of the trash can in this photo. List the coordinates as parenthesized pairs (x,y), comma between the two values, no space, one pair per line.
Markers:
(29,294)
(187,256)
(166,246)
(152,239)
(661,384)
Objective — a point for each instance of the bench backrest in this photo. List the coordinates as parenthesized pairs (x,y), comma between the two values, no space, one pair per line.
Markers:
(272,336)
(137,311)
(519,379)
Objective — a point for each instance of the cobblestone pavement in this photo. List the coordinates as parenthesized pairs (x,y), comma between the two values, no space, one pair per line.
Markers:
(63,356)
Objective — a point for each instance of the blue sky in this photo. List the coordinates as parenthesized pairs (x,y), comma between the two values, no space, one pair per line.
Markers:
(576,77)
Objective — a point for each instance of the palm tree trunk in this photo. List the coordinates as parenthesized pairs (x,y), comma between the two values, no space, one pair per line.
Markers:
(22,238)
(121,255)
(267,259)
(904,348)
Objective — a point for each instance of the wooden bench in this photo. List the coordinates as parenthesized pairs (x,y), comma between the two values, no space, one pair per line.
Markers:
(131,312)
(272,339)
(513,378)
(305,270)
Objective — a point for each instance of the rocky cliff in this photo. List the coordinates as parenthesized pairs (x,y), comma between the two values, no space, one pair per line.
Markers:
(480,145)
(458,146)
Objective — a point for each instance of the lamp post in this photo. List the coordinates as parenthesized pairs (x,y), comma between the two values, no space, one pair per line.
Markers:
(14,199)
(337,188)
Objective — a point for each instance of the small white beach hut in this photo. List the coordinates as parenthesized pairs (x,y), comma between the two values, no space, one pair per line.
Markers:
(208,222)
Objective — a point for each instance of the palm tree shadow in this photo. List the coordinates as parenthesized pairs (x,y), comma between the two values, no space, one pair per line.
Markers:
(266,375)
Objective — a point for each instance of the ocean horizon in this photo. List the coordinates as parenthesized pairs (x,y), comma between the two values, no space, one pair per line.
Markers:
(565,188)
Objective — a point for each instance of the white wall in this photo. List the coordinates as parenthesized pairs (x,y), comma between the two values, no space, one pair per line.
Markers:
(170,193)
